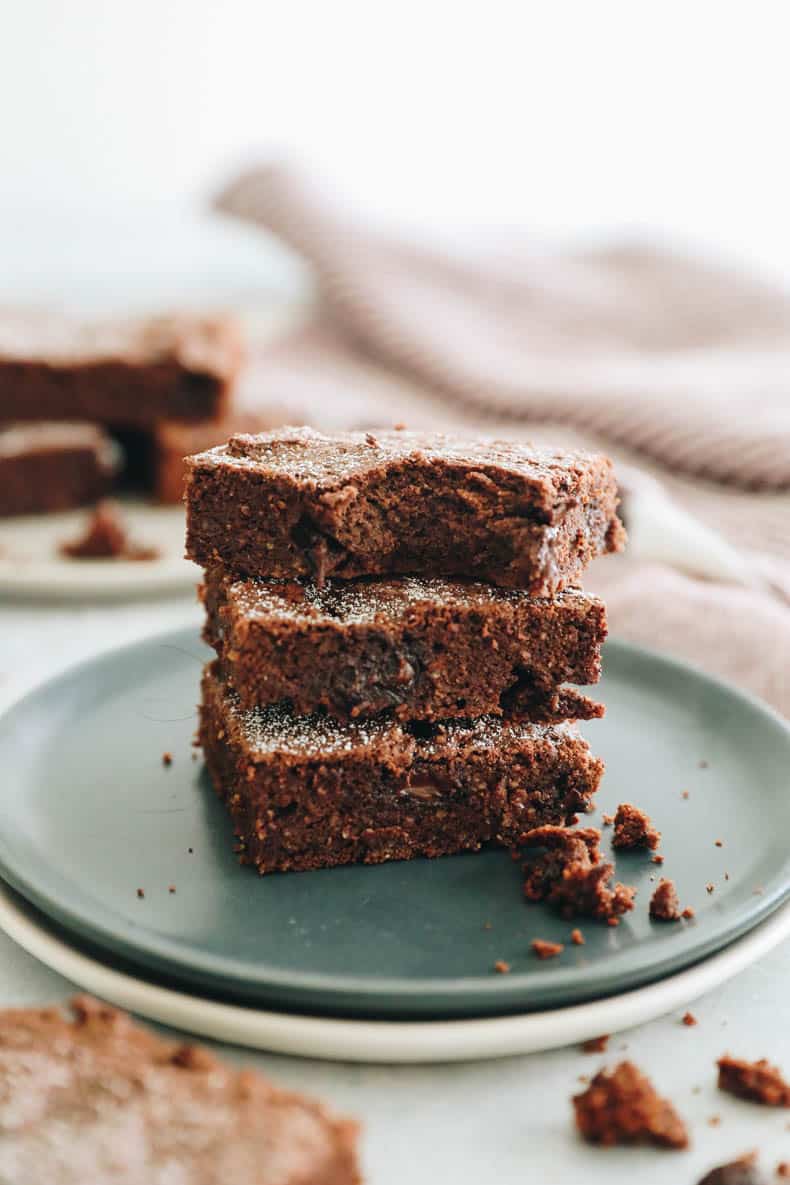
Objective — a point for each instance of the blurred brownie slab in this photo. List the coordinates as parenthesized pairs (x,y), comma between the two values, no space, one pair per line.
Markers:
(421,648)
(53,466)
(297,502)
(130,373)
(175,440)
(92,1098)
(310,792)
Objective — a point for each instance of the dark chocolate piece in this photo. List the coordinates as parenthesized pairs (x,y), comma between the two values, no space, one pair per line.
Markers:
(97,1098)
(309,792)
(421,648)
(743,1171)
(296,502)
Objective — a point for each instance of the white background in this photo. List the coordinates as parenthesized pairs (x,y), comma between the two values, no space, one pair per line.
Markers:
(557,117)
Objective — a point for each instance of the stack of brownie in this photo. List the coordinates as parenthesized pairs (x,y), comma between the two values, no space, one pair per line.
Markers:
(396,618)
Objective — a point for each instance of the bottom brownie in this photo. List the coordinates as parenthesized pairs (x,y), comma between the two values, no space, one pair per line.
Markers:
(47,467)
(309,792)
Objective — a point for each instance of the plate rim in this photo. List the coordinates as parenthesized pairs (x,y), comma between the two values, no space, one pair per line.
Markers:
(409,1042)
(166,955)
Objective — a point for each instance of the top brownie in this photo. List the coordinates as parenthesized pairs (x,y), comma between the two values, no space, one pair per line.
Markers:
(296,502)
(126,373)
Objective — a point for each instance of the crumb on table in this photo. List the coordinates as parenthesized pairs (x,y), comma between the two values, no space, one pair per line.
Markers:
(596,1044)
(577,938)
(689,1019)
(167,759)
(106,537)
(501,967)
(621,1106)
(759,1081)
(743,1171)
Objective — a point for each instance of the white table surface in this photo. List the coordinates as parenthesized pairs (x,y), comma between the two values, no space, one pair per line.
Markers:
(504,1121)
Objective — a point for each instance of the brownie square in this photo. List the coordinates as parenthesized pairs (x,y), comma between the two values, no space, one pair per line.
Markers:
(94,1098)
(420,648)
(297,502)
(310,792)
(122,373)
(53,466)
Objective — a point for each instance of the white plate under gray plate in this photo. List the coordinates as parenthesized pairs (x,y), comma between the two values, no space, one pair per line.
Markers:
(383,1041)
(31,565)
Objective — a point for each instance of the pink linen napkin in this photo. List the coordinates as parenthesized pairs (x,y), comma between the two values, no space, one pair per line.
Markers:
(672,364)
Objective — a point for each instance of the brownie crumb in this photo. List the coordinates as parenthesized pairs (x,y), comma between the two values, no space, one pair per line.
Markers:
(719,843)
(714,1121)
(688,913)
(190,850)
(547,950)
(658,858)
(634,829)
(783,1168)
(167,759)
(685,794)
(171,888)
(570,874)
(689,1019)
(709,887)
(743,1171)
(596,1044)
(140,893)
(577,938)
(759,1081)
(607,820)
(622,1107)
(106,538)
(664,904)
(501,967)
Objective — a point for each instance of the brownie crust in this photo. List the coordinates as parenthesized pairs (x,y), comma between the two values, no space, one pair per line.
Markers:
(52,466)
(423,649)
(94,1098)
(298,503)
(310,792)
(128,374)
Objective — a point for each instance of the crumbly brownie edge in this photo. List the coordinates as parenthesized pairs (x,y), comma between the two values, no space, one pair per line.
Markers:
(431,661)
(391,802)
(408,515)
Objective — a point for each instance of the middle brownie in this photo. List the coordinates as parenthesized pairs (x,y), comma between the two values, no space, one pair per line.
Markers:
(419,648)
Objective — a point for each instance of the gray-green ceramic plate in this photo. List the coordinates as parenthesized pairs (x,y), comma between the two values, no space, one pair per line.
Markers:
(89,814)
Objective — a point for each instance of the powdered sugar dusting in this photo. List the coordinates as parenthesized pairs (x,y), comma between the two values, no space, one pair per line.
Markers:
(276,729)
(318,460)
(365,601)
